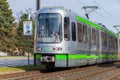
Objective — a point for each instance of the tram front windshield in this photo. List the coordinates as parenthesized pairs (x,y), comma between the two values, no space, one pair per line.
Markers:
(49,28)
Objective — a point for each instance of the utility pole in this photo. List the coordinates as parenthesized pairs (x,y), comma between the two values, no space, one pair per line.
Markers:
(27,30)
(89,9)
(37,5)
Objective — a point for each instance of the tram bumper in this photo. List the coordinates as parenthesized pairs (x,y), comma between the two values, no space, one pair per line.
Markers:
(58,60)
(47,59)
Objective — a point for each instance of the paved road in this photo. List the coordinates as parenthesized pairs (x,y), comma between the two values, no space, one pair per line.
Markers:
(14,61)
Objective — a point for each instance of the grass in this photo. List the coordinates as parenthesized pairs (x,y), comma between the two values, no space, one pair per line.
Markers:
(15,56)
(19,68)
(12,56)
(9,69)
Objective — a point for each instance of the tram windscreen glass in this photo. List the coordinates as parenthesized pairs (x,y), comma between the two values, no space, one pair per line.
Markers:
(49,28)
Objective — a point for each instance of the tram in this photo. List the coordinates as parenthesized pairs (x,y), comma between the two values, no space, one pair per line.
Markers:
(65,39)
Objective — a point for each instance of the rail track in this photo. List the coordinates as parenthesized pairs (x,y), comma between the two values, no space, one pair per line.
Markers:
(96,72)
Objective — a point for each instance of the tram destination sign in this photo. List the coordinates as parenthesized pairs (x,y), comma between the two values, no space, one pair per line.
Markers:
(27,28)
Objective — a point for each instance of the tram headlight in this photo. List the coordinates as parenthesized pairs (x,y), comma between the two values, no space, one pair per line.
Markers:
(39,49)
(57,48)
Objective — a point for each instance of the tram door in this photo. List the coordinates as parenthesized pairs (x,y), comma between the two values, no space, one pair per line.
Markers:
(73,36)
(93,45)
(118,49)
(70,33)
(98,42)
(89,40)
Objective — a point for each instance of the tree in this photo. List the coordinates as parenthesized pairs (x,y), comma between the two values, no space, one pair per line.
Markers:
(6,27)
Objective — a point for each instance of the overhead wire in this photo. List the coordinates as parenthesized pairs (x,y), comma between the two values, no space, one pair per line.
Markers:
(103,16)
(106,11)
(114,20)
(118,1)
(117,26)
(81,3)
(97,12)
(106,18)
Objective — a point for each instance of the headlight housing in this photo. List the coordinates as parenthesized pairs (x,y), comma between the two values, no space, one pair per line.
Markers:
(39,49)
(57,49)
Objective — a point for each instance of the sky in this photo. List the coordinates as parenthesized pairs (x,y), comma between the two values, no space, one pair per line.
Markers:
(108,12)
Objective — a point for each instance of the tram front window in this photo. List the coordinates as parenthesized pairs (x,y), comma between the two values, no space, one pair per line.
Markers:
(49,28)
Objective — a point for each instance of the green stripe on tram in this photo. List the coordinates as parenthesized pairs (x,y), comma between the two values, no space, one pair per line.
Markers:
(61,56)
(82,56)
(102,56)
(79,56)
(113,56)
(87,22)
(38,56)
(75,56)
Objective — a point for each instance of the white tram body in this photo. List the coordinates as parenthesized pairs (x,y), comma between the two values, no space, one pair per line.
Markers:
(65,39)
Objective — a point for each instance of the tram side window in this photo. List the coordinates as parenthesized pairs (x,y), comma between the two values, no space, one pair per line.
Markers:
(104,39)
(84,33)
(102,34)
(119,43)
(94,36)
(73,31)
(115,43)
(67,28)
(80,32)
(111,43)
(113,40)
